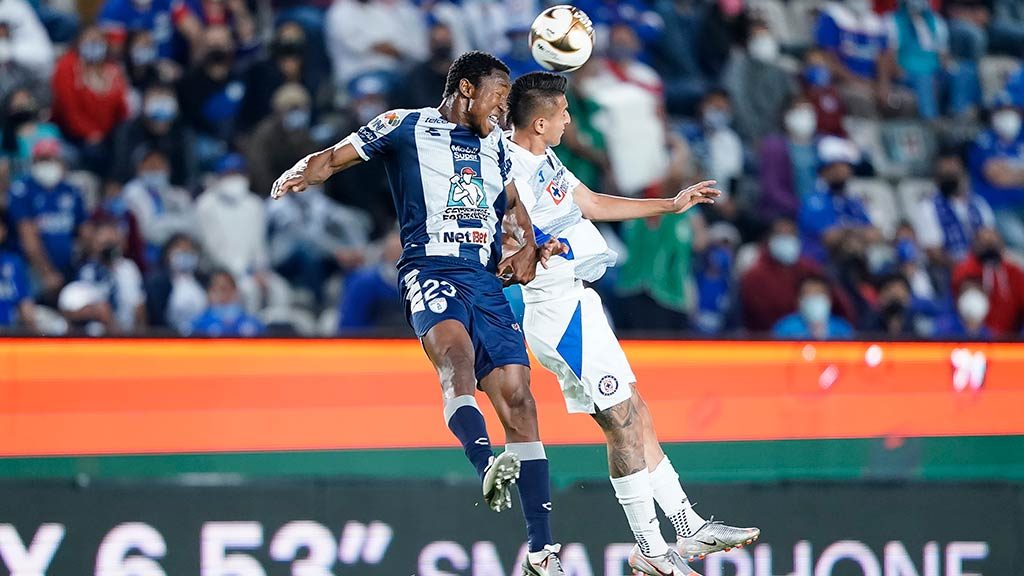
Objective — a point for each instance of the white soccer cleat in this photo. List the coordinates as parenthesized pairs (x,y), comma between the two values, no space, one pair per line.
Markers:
(668,564)
(544,562)
(714,537)
(499,476)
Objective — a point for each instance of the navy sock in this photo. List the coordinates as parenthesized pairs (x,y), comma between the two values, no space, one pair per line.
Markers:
(467,423)
(534,493)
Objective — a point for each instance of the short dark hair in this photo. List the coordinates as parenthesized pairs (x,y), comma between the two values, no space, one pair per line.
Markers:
(530,91)
(217,272)
(813,278)
(472,66)
(894,278)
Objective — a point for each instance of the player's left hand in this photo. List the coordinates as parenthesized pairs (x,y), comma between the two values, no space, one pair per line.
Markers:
(521,267)
(700,193)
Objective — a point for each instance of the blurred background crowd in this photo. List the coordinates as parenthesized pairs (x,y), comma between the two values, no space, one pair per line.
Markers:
(871,154)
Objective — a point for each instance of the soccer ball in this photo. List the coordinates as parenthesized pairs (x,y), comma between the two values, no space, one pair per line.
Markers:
(562,38)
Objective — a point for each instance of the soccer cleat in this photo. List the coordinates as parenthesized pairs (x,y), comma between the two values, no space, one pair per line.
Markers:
(499,476)
(714,537)
(668,564)
(544,562)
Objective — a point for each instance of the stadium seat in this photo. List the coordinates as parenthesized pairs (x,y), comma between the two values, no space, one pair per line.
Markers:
(746,256)
(880,201)
(300,321)
(910,193)
(866,133)
(773,12)
(327,323)
(909,147)
(801,17)
(89,185)
(50,322)
(993,71)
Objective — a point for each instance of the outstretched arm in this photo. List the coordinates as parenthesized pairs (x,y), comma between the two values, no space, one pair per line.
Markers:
(521,267)
(316,169)
(605,208)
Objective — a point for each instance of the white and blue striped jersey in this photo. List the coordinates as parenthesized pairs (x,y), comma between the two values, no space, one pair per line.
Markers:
(448,183)
(545,188)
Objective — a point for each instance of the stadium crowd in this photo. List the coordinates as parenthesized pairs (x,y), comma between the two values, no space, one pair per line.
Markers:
(872,158)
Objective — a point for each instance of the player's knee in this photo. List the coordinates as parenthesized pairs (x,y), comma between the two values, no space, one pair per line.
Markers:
(520,403)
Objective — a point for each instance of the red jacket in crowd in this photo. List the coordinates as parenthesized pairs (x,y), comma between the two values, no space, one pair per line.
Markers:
(85,112)
(769,291)
(1004,284)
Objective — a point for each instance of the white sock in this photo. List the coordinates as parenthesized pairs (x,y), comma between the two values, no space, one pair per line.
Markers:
(668,492)
(635,497)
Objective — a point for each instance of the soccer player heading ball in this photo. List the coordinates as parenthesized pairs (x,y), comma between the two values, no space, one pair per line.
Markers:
(567,329)
(449,174)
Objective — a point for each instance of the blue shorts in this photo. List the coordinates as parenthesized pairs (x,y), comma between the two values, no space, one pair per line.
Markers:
(439,288)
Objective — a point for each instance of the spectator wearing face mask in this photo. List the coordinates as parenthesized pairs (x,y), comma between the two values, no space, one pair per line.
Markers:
(947,221)
(817,81)
(158,127)
(928,285)
(282,138)
(769,289)
(211,95)
(47,214)
(814,319)
(225,317)
(90,99)
(714,280)
(17,309)
(364,186)
(370,298)
(29,44)
(996,165)
(145,67)
(233,234)
(112,279)
(175,296)
(284,64)
(426,80)
(788,162)
(715,145)
(896,315)
(112,207)
(374,36)
(161,209)
(232,220)
(23,126)
(968,321)
(1001,280)
(829,213)
(756,71)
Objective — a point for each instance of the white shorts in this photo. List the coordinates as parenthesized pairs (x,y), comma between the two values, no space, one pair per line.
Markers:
(571,337)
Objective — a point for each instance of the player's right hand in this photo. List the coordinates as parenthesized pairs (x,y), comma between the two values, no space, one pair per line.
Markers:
(552,247)
(290,181)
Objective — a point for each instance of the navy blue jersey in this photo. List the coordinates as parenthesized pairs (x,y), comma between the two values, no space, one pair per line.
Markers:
(448,183)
